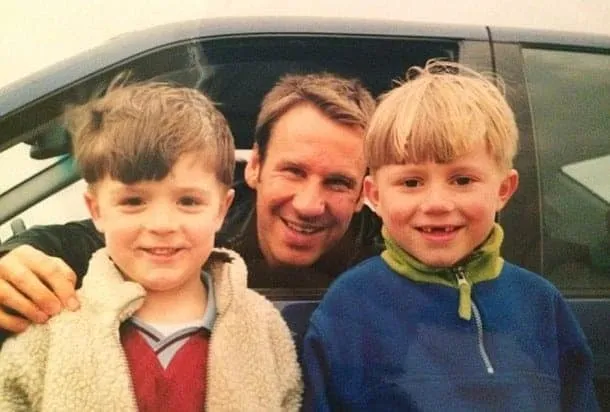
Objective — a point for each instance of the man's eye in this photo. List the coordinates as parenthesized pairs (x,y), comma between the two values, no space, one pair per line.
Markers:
(462,180)
(339,184)
(294,171)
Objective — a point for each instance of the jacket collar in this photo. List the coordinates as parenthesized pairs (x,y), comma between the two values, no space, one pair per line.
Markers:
(484,263)
(107,290)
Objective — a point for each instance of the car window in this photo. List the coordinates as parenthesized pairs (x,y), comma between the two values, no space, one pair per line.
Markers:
(63,206)
(570,101)
(18,166)
(235,72)
(19,155)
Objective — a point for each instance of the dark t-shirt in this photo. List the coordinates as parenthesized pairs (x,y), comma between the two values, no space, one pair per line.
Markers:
(75,242)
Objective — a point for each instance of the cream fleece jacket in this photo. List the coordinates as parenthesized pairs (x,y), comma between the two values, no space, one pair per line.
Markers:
(75,362)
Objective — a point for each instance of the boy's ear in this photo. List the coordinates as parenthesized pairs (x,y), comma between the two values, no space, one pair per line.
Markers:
(94,211)
(252,169)
(371,192)
(508,186)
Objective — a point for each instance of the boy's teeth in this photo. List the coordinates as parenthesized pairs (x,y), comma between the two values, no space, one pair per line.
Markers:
(445,229)
(162,251)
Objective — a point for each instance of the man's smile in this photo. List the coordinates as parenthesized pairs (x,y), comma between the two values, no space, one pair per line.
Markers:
(303,228)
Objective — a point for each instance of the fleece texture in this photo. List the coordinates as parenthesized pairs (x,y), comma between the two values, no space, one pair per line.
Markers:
(380,341)
(76,362)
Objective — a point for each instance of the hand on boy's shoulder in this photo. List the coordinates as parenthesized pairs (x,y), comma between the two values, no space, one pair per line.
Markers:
(33,287)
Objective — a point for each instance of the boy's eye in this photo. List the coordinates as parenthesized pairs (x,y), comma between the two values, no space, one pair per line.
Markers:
(462,180)
(132,201)
(411,183)
(189,201)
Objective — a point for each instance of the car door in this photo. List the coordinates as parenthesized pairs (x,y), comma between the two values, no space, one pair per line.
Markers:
(558,223)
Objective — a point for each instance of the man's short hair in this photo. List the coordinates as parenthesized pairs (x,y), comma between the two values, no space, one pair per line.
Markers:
(345,101)
(138,132)
(438,113)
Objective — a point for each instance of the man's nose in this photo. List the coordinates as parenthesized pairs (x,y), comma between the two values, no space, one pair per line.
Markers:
(437,200)
(309,199)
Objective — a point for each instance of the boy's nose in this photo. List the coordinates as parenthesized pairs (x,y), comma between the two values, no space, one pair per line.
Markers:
(309,200)
(160,220)
(437,201)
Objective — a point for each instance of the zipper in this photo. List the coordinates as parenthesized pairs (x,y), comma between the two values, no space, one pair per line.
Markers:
(482,351)
(464,287)
(466,309)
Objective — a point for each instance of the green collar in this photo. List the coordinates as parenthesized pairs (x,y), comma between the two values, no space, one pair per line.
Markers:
(483,264)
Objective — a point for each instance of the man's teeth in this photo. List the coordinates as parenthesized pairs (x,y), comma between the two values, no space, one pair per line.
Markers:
(301,229)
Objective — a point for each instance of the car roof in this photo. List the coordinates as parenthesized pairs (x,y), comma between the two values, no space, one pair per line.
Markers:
(550,38)
(38,84)
(71,70)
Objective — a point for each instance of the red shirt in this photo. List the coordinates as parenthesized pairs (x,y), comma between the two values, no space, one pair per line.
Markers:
(181,386)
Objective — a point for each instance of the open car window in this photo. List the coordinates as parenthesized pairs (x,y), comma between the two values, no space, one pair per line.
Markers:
(235,72)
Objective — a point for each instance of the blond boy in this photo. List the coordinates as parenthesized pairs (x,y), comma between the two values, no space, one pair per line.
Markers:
(166,321)
(440,321)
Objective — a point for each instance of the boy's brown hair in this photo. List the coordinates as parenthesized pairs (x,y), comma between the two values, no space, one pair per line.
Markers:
(343,100)
(138,132)
(438,113)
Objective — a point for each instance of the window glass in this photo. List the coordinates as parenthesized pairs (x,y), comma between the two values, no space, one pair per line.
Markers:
(570,98)
(235,72)
(61,207)
(16,165)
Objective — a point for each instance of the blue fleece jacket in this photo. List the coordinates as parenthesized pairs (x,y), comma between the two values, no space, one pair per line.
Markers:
(382,342)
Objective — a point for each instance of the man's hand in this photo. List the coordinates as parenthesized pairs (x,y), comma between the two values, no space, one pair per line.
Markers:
(35,286)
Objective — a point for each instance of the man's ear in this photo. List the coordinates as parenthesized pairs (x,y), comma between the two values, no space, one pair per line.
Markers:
(371,192)
(94,210)
(508,187)
(225,204)
(252,169)
(361,199)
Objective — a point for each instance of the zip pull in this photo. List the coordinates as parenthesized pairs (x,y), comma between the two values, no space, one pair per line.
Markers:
(464,308)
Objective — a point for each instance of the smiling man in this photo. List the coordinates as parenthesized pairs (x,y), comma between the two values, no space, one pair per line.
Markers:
(298,219)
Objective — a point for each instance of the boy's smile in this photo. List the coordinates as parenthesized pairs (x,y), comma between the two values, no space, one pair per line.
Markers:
(159,233)
(440,212)
(439,233)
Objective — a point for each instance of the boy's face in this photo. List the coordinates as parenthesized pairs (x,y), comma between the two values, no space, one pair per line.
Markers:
(160,233)
(439,213)
(308,187)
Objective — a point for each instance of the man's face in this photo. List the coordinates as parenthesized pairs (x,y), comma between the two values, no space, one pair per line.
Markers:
(439,213)
(160,233)
(308,186)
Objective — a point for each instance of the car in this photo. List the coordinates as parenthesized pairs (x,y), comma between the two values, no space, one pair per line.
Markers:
(558,84)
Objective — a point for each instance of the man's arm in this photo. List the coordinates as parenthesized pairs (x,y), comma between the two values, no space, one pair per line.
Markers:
(39,269)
